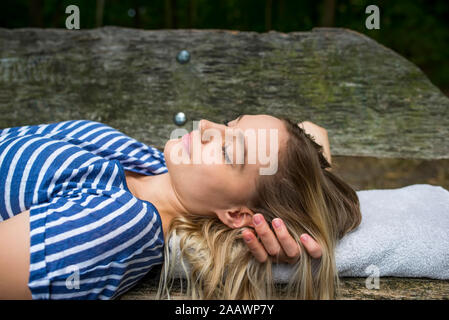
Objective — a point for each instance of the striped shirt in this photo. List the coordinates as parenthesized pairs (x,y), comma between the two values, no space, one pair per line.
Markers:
(90,237)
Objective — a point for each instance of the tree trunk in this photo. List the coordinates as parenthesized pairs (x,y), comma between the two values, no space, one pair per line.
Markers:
(328,14)
(36,13)
(99,13)
(268,14)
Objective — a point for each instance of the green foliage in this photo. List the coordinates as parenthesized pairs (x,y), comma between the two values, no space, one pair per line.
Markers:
(418,29)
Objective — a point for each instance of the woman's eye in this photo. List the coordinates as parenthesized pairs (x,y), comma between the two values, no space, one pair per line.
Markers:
(227,160)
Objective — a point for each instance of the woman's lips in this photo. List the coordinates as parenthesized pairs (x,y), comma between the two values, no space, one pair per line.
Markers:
(186,142)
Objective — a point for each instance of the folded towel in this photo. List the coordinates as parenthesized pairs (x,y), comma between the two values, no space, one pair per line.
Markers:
(404,233)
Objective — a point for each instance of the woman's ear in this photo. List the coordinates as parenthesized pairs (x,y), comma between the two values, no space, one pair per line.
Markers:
(237,217)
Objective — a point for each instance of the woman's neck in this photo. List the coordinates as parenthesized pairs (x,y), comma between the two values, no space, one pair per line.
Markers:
(159,191)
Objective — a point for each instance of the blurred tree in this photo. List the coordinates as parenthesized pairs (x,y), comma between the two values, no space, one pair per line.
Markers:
(36,14)
(268,13)
(328,14)
(192,14)
(170,9)
(99,13)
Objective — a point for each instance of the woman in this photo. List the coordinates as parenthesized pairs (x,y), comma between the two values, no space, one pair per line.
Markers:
(87,210)
(302,197)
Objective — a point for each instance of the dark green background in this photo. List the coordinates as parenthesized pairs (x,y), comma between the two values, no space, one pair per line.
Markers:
(417,29)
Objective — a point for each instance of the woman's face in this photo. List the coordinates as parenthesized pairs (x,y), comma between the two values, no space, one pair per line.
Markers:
(214,169)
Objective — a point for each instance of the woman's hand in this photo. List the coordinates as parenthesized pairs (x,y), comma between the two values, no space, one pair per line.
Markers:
(281,245)
(320,135)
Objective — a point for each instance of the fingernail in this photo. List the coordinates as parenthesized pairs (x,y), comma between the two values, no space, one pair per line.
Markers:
(277,223)
(257,219)
(247,237)
(304,237)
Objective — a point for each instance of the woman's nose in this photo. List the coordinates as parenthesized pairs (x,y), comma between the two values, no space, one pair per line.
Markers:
(209,125)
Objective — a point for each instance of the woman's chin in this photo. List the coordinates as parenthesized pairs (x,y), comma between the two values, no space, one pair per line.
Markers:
(175,154)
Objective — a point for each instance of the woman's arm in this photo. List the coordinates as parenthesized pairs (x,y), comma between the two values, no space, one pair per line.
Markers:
(15,257)
(320,135)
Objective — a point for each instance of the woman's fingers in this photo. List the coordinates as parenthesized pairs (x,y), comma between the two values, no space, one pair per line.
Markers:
(291,248)
(281,246)
(269,246)
(267,236)
(312,247)
(320,135)
(256,248)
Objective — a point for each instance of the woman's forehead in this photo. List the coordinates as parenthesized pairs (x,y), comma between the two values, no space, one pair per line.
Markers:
(264,138)
(258,121)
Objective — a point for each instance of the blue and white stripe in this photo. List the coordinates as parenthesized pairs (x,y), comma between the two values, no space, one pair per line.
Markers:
(70,175)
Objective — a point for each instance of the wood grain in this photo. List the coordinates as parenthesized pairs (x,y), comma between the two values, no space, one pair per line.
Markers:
(372,101)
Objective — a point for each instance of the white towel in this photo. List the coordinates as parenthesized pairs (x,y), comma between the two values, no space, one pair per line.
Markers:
(404,233)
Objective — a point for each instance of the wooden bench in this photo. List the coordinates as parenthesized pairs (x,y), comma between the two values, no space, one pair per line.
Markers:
(373,102)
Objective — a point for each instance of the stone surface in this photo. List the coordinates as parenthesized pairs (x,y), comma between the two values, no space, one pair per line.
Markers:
(372,101)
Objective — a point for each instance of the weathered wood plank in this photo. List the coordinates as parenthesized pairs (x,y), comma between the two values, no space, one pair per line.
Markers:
(372,101)
(350,288)
(395,289)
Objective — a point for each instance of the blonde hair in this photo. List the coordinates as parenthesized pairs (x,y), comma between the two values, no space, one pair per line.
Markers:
(306,196)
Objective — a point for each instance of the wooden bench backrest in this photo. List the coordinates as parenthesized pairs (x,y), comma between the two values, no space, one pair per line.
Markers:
(372,101)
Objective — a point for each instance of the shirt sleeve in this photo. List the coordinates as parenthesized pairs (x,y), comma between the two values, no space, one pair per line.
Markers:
(92,245)
(101,140)
(112,144)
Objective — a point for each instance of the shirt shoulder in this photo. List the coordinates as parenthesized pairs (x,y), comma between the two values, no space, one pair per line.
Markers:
(108,237)
(99,139)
